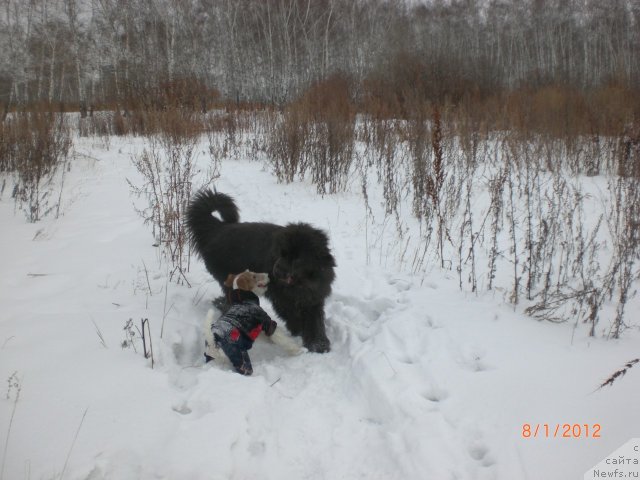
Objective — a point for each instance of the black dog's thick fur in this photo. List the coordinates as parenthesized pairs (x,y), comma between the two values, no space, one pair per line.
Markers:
(297,257)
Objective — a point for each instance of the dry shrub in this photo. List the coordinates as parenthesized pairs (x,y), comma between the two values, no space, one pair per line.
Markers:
(173,121)
(409,81)
(418,133)
(186,93)
(172,106)
(562,111)
(119,126)
(395,91)
(613,107)
(233,127)
(176,125)
(377,101)
(34,146)
(168,167)
(183,93)
(629,152)
(7,146)
(332,134)
(316,133)
(287,144)
(557,111)
(168,175)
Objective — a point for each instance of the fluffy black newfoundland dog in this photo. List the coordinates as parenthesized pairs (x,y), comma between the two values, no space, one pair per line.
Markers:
(297,257)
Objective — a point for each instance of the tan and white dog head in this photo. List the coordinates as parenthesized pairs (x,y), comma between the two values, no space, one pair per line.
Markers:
(248,281)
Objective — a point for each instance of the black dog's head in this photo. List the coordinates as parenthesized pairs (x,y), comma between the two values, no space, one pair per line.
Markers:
(302,257)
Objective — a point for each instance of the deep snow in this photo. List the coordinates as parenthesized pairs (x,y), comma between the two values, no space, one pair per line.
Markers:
(423,381)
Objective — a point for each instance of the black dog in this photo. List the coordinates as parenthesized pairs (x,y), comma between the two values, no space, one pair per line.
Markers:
(296,255)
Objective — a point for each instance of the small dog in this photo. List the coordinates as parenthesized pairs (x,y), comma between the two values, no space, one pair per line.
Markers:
(234,332)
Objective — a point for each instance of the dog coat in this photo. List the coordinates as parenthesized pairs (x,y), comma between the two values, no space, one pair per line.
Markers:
(235,332)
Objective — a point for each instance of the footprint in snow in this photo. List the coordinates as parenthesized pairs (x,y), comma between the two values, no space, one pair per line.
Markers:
(432,323)
(182,408)
(400,284)
(472,359)
(257,449)
(435,395)
(364,311)
(480,453)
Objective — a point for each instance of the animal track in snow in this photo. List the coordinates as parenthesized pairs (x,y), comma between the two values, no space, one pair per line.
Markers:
(432,323)
(401,285)
(480,453)
(472,358)
(257,448)
(182,408)
(435,395)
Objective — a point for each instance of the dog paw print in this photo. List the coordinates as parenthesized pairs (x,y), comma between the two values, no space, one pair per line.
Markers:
(257,448)
(400,284)
(480,453)
(473,360)
(434,395)
(432,322)
(181,408)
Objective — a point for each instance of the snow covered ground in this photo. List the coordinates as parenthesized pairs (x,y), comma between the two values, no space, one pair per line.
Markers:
(423,381)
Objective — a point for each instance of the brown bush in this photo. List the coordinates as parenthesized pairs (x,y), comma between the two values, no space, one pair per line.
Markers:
(614,107)
(316,133)
(34,145)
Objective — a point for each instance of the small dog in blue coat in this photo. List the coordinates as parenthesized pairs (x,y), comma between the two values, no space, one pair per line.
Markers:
(235,331)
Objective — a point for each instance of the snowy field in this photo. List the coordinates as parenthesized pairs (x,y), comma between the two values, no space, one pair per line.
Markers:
(423,381)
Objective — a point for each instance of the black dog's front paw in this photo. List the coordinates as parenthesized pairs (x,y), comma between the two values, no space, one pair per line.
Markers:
(318,345)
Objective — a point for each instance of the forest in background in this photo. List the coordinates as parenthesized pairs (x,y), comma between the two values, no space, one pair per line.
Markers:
(97,53)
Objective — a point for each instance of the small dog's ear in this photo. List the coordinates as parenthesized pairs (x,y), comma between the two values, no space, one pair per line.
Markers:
(229,281)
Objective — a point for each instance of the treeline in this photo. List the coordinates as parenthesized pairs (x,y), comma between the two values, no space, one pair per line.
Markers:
(92,53)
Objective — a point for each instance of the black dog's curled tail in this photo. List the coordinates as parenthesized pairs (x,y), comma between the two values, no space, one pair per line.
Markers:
(200,219)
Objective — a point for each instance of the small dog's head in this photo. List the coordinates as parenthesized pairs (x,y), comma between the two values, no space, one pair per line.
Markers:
(248,281)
